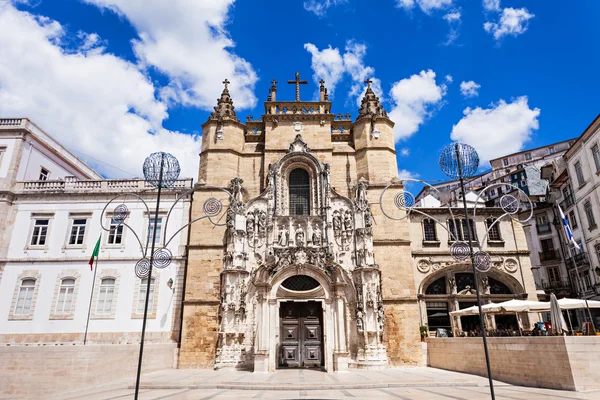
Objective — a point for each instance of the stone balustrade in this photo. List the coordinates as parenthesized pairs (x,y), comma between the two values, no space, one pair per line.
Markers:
(73,185)
(12,121)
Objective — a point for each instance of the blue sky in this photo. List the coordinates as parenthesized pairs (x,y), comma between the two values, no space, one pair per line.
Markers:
(117,79)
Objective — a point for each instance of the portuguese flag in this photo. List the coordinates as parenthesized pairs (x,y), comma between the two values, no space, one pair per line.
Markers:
(95,253)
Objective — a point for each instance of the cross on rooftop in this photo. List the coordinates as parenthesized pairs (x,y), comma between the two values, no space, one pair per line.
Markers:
(368,82)
(226,82)
(297,82)
(274,82)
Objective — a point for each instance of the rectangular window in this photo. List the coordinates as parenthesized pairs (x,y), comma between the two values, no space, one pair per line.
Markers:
(40,232)
(551,150)
(579,173)
(142,296)
(23,306)
(547,245)
(596,155)
(572,220)
(493,229)
(429,230)
(437,315)
(505,162)
(465,230)
(44,174)
(454,228)
(2,152)
(151,229)
(553,274)
(589,213)
(586,279)
(77,231)
(115,235)
(105,296)
(541,219)
(492,193)
(65,296)
(528,156)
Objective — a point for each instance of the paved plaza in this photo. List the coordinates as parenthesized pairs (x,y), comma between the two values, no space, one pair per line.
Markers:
(400,383)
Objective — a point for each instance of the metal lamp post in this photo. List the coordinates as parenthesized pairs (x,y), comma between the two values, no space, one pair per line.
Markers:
(459,161)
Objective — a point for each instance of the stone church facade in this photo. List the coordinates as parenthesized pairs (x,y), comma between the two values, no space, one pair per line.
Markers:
(297,266)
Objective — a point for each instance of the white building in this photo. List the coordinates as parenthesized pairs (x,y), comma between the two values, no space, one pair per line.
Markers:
(52,210)
(576,186)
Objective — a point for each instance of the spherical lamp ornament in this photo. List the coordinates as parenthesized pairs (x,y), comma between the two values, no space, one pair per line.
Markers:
(459,160)
(170,169)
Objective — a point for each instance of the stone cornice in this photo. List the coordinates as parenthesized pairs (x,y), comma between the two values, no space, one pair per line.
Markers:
(391,242)
(224,122)
(384,148)
(77,260)
(446,253)
(231,151)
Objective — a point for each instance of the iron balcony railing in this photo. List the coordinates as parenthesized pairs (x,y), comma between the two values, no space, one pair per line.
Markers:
(553,286)
(549,255)
(567,202)
(577,260)
(544,228)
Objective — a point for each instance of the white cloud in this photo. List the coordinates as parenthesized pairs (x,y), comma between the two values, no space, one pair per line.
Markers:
(469,89)
(187,41)
(320,7)
(413,101)
(503,128)
(406,174)
(92,102)
(513,22)
(405,152)
(449,79)
(426,6)
(454,21)
(491,5)
(330,65)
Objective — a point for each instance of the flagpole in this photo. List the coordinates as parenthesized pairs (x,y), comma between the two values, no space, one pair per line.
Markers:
(569,234)
(90,306)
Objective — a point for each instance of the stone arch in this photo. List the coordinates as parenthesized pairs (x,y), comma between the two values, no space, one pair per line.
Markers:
(510,281)
(291,270)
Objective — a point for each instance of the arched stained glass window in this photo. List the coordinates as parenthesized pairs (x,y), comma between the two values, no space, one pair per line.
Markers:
(299,192)
(497,287)
(437,287)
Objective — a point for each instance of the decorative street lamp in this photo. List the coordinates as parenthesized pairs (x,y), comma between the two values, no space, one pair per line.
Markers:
(161,171)
(459,162)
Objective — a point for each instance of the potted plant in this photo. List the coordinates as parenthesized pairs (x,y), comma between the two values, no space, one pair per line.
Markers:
(424,332)
(578,331)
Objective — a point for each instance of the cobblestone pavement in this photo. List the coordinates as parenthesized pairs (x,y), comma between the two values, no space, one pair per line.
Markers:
(399,383)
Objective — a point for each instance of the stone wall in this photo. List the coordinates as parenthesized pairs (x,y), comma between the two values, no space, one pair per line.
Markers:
(566,363)
(36,371)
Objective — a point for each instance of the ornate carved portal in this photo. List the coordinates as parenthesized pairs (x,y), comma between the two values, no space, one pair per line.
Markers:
(332,244)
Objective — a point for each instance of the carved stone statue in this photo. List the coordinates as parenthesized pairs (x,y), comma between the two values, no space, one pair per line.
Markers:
(361,195)
(485,285)
(368,218)
(348,221)
(316,236)
(250,224)
(452,285)
(337,222)
(283,237)
(381,319)
(262,223)
(299,237)
(359,320)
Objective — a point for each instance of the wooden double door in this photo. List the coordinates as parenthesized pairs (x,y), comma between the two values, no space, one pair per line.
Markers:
(301,338)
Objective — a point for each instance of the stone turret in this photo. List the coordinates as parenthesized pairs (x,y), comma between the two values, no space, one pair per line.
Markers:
(374,140)
(370,105)
(222,131)
(224,108)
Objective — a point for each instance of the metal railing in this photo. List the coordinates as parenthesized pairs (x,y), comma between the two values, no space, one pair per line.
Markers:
(543,228)
(577,260)
(553,286)
(567,202)
(549,255)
